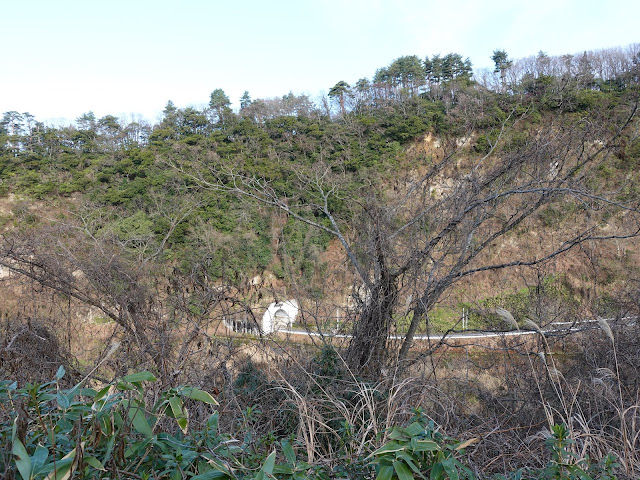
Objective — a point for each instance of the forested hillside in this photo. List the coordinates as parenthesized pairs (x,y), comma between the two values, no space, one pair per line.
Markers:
(397,203)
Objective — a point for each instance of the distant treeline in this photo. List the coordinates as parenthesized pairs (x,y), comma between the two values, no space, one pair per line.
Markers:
(436,77)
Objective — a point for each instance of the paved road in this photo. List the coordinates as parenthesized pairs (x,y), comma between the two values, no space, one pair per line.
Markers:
(554,329)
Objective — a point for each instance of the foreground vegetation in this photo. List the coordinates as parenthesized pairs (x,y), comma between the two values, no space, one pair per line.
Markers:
(115,432)
(563,408)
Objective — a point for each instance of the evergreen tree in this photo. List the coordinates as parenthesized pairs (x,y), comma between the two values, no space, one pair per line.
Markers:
(219,104)
(245,100)
(502,62)
(338,91)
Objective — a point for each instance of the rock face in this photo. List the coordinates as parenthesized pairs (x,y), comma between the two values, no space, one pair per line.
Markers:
(279,316)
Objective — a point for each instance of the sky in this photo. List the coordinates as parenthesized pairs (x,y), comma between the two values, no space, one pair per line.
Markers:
(62,58)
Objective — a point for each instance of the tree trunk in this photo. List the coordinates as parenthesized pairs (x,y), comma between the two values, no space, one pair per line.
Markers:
(367,353)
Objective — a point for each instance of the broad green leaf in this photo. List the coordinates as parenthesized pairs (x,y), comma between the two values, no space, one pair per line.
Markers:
(436,472)
(426,446)
(136,447)
(289,454)
(269,463)
(124,386)
(213,475)
(201,395)
(23,462)
(117,420)
(577,472)
(60,466)
(414,429)
(389,448)
(385,473)
(409,460)
(100,395)
(282,470)
(39,457)
(221,468)
(179,412)
(267,469)
(94,462)
(45,397)
(8,385)
(63,467)
(63,400)
(397,433)
(450,467)
(139,421)
(183,421)
(60,373)
(176,407)
(161,442)
(402,471)
(144,376)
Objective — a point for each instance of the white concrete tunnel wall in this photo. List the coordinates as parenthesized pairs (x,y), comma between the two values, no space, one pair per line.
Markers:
(279,315)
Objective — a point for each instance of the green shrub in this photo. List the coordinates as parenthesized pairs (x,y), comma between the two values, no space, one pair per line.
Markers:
(114,432)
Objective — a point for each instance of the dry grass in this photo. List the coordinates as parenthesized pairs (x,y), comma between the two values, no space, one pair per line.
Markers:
(507,392)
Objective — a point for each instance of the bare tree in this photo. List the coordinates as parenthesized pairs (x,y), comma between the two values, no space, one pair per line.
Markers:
(410,238)
(157,310)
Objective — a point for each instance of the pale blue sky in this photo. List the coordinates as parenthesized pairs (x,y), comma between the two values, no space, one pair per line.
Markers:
(63,58)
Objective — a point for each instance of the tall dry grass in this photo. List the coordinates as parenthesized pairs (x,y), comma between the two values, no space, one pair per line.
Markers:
(507,393)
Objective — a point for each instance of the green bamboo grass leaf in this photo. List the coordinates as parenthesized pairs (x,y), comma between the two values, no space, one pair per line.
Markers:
(219,471)
(63,467)
(95,463)
(183,421)
(23,462)
(212,422)
(385,473)
(426,446)
(397,433)
(63,400)
(450,468)
(214,475)
(101,394)
(269,463)
(402,471)
(201,395)
(267,469)
(110,445)
(414,429)
(39,457)
(179,412)
(282,470)
(176,406)
(139,421)
(389,448)
(409,461)
(288,451)
(436,472)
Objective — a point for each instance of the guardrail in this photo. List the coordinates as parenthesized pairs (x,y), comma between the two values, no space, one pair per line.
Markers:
(577,326)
